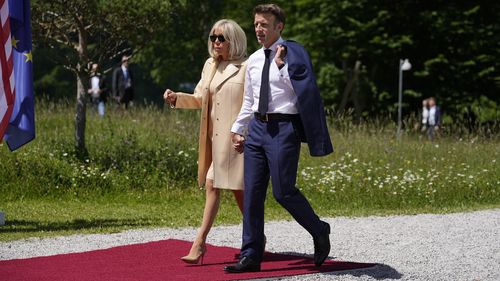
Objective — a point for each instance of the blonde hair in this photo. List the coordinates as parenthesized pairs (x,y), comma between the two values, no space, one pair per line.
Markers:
(234,35)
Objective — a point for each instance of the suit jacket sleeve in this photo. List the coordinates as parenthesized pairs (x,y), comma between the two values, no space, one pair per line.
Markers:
(438,116)
(102,84)
(310,104)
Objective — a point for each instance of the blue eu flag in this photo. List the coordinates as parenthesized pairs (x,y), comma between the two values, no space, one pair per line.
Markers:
(21,129)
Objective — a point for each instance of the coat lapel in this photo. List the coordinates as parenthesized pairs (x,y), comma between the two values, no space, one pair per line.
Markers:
(229,72)
(211,74)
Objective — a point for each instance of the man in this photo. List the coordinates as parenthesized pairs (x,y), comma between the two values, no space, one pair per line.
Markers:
(98,90)
(281,108)
(123,90)
(434,118)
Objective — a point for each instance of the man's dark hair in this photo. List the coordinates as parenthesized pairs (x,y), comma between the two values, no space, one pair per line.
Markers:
(273,9)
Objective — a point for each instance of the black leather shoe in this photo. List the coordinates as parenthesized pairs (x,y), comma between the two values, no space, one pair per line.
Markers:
(245,264)
(322,246)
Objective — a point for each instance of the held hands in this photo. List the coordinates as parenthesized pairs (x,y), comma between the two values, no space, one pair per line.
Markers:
(238,142)
(279,58)
(170,97)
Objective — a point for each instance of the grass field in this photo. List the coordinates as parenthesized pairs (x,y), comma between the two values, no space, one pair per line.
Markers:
(141,167)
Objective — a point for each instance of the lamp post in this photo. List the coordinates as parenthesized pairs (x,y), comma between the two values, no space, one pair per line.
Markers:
(404,65)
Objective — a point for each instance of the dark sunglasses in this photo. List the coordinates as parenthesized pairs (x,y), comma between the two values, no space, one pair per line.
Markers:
(220,37)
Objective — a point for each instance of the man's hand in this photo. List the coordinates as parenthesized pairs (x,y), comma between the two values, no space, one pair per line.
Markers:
(170,97)
(279,58)
(238,142)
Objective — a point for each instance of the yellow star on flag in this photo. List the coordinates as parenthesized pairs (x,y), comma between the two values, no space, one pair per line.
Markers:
(29,56)
(14,42)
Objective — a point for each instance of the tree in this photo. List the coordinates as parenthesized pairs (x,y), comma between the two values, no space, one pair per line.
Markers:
(178,50)
(84,31)
(457,49)
(356,37)
(452,46)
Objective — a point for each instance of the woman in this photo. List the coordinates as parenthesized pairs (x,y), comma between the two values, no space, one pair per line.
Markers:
(425,114)
(219,94)
(98,91)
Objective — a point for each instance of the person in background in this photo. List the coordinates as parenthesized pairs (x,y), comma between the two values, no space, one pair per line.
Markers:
(434,119)
(123,83)
(98,91)
(219,94)
(425,114)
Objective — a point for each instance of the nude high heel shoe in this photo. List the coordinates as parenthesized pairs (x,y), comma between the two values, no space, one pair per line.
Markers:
(196,257)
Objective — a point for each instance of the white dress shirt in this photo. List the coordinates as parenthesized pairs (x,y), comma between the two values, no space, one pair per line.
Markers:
(282,97)
(432,116)
(126,76)
(425,115)
(95,86)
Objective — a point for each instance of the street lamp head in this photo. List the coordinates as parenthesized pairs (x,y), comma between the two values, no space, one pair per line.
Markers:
(406,65)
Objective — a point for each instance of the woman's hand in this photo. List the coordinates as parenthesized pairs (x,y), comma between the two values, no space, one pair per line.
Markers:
(170,97)
(238,142)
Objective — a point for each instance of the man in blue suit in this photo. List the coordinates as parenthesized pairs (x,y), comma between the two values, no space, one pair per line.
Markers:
(281,108)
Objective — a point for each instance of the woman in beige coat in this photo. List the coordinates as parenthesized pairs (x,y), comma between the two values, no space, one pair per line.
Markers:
(219,94)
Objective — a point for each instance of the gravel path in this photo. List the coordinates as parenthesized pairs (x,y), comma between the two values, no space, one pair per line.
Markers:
(462,246)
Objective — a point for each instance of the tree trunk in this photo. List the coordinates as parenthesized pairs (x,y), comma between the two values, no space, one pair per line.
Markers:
(356,100)
(352,78)
(81,81)
(80,116)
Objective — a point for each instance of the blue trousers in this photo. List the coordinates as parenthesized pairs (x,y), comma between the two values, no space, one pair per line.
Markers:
(272,150)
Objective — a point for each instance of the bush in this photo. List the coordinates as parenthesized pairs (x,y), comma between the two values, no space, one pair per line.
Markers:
(144,148)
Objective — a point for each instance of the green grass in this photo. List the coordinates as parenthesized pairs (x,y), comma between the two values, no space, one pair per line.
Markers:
(141,167)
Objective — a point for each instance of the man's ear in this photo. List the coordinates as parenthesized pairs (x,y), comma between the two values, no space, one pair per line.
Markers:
(280,26)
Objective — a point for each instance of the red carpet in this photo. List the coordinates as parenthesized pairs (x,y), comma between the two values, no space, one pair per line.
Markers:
(157,261)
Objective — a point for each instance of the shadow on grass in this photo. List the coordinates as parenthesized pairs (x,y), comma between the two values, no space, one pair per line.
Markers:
(22,226)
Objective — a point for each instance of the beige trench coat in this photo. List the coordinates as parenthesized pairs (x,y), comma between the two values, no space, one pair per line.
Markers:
(228,164)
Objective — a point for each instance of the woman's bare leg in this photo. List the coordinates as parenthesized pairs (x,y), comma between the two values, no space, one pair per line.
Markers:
(212,202)
(238,195)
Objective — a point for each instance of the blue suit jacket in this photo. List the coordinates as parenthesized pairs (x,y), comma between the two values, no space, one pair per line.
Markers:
(310,104)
